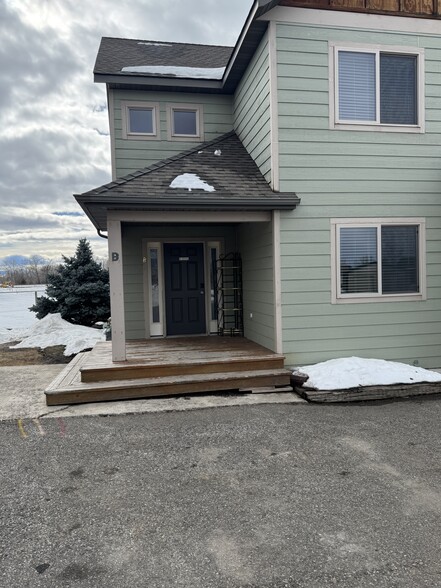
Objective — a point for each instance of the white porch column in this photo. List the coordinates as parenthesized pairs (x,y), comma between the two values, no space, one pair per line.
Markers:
(116,290)
(277,281)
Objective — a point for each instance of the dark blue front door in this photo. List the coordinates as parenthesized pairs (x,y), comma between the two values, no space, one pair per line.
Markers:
(184,288)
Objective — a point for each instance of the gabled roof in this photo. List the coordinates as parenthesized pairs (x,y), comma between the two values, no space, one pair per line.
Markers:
(114,54)
(236,179)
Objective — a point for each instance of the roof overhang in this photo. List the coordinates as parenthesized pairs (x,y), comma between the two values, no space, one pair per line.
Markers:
(98,207)
(246,45)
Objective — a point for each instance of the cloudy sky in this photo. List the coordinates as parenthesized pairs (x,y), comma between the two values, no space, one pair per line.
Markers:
(53,119)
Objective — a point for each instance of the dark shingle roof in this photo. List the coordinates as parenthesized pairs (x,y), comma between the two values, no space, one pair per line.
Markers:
(237,181)
(114,54)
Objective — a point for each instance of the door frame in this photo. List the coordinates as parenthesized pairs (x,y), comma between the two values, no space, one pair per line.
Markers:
(159,328)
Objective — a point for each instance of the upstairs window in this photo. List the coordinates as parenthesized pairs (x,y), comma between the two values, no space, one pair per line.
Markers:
(378,259)
(185,122)
(374,88)
(139,120)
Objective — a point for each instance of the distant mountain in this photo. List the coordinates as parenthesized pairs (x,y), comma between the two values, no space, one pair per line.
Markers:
(14,260)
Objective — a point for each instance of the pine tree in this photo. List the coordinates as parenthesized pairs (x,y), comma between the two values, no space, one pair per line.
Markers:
(78,290)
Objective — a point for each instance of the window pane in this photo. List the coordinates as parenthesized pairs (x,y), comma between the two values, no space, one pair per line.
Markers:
(358,260)
(154,285)
(399,250)
(141,120)
(398,89)
(184,122)
(213,283)
(356,86)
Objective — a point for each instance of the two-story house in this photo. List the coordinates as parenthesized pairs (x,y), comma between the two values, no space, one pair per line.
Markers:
(310,151)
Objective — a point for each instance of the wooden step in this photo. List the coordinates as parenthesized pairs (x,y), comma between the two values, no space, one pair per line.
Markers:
(67,388)
(138,370)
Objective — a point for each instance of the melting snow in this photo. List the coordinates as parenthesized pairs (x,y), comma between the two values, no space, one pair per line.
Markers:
(154,44)
(53,330)
(191,182)
(352,372)
(206,73)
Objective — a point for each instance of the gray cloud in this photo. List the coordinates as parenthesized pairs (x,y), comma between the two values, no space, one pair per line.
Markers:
(53,120)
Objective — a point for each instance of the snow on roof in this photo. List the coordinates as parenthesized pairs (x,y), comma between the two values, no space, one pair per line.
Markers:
(191,182)
(352,372)
(154,44)
(53,330)
(206,73)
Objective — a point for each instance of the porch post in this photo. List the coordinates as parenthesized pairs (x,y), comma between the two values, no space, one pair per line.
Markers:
(277,282)
(116,290)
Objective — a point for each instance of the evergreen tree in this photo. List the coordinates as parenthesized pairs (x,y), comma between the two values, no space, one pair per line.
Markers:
(78,290)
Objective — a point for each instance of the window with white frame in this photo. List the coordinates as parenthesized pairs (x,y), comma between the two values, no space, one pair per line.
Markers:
(184,122)
(375,87)
(378,258)
(139,120)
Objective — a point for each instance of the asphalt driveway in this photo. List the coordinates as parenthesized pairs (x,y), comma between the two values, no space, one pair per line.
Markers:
(255,497)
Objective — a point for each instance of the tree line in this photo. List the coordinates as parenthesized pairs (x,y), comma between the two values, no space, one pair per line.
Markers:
(32,270)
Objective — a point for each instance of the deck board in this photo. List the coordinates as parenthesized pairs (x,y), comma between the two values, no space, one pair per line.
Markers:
(180,356)
(165,367)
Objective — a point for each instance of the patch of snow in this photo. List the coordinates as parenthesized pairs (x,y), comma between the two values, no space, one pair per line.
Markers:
(199,152)
(352,372)
(218,152)
(154,44)
(14,306)
(53,330)
(206,73)
(191,182)
(8,335)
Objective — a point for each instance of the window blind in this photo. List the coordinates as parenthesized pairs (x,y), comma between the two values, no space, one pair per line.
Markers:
(358,260)
(356,86)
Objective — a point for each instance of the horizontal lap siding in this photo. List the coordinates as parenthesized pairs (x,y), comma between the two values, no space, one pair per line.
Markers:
(133,267)
(255,243)
(251,110)
(132,155)
(340,174)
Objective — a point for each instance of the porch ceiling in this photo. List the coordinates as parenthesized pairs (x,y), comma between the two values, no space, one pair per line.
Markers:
(223,164)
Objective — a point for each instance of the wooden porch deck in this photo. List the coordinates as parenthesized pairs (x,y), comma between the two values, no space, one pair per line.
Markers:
(165,367)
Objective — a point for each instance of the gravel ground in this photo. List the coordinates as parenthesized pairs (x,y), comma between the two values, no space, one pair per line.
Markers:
(248,497)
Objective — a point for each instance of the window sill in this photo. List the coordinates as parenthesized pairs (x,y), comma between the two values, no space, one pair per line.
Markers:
(379,298)
(378,128)
(140,137)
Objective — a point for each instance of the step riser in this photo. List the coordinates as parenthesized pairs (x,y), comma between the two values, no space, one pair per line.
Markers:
(157,371)
(166,389)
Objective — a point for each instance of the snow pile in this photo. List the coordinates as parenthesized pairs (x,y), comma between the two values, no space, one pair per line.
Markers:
(191,182)
(352,372)
(205,73)
(53,330)
(8,335)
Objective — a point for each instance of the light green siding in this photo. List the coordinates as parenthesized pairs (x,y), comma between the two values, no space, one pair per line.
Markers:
(256,248)
(251,110)
(340,174)
(132,243)
(131,155)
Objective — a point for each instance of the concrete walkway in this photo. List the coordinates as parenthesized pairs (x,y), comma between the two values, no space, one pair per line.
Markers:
(22,396)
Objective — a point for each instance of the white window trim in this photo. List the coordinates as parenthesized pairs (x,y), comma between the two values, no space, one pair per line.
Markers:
(198,108)
(335,123)
(338,298)
(126,105)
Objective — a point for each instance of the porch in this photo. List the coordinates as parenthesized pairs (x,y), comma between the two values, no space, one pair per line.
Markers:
(169,366)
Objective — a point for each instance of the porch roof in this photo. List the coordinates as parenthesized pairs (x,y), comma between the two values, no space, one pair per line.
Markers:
(223,164)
